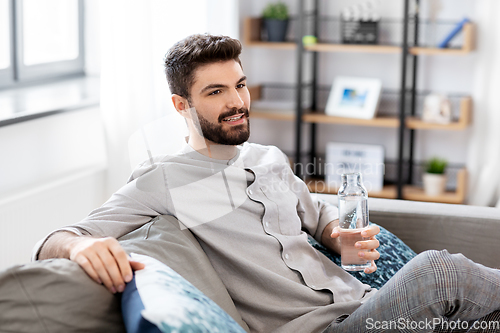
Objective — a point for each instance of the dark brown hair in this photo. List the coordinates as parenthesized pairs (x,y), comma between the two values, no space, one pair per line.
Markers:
(187,55)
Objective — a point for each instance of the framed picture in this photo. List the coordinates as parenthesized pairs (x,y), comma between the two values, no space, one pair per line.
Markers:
(437,109)
(349,157)
(353,97)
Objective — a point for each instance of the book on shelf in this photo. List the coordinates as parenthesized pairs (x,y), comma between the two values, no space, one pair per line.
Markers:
(453,33)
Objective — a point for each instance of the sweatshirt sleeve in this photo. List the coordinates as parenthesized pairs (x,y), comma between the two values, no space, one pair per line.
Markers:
(314,213)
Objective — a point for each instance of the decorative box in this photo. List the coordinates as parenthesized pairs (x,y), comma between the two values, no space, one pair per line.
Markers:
(359,32)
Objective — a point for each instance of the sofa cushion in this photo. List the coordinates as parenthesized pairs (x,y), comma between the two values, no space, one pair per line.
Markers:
(160,300)
(56,295)
(394,254)
(165,240)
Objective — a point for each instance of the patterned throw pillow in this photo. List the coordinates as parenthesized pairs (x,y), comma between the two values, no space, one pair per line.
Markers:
(188,310)
(394,254)
(160,300)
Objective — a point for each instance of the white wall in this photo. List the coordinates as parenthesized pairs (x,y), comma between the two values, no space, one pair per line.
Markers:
(39,150)
(28,216)
(448,74)
(52,174)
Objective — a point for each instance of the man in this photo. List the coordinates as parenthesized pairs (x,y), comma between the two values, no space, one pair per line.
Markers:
(251,215)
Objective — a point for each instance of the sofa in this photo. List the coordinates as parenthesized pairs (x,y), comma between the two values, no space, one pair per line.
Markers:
(57,296)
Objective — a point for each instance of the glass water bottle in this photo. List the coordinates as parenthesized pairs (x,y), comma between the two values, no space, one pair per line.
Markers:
(353,210)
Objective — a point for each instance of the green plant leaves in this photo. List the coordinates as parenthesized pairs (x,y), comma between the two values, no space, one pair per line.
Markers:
(277,11)
(436,165)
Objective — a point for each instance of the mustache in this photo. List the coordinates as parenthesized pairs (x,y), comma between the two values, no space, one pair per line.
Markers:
(233,112)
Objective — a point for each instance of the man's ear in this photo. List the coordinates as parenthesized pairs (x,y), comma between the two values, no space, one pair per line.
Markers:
(181,105)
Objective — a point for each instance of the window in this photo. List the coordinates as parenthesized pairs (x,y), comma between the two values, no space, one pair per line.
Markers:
(6,72)
(40,39)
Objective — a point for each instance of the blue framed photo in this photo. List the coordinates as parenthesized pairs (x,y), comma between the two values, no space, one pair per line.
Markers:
(353,97)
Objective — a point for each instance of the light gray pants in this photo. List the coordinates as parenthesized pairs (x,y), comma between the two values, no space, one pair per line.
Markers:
(435,292)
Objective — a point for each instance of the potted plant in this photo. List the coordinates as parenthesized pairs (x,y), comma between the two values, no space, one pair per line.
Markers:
(435,178)
(275,18)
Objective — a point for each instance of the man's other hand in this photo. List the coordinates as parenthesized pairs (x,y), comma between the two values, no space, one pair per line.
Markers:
(104,260)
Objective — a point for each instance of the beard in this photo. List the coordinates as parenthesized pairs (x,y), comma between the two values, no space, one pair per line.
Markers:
(216,133)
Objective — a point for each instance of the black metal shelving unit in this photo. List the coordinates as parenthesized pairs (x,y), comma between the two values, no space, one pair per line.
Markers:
(403,178)
(402,142)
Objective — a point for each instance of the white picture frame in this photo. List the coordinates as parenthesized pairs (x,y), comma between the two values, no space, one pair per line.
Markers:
(437,109)
(354,97)
(344,157)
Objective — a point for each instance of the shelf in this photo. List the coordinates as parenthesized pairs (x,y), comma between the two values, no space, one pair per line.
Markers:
(457,197)
(273,114)
(355,48)
(251,36)
(252,32)
(276,110)
(468,32)
(317,117)
(417,194)
(410,192)
(461,124)
(255,92)
(387,122)
(321,118)
(418,50)
(273,45)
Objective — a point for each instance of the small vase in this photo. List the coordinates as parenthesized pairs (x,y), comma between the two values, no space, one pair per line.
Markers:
(276,30)
(434,184)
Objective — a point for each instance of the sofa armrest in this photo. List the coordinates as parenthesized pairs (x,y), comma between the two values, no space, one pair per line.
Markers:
(471,230)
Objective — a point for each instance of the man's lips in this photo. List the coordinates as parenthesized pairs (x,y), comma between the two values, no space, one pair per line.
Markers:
(234,118)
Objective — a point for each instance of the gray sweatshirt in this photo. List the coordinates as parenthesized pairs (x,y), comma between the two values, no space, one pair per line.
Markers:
(251,215)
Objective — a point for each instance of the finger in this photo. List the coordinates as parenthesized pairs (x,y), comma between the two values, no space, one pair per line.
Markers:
(371,269)
(87,267)
(113,270)
(369,255)
(121,259)
(102,272)
(368,244)
(136,265)
(370,231)
(335,232)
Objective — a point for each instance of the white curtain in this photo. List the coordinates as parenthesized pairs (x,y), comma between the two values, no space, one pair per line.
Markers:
(135,36)
(484,157)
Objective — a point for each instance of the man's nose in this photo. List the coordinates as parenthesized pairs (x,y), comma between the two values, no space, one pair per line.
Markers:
(235,100)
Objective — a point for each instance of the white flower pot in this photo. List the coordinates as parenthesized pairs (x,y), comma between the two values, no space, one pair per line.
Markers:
(434,184)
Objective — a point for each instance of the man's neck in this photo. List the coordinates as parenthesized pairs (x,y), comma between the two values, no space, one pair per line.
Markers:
(213,150)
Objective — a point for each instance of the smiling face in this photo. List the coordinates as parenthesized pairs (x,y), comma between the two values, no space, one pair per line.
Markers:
(221,100)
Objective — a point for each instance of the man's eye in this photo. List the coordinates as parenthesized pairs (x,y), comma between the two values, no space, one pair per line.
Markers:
(215,92)
(241,85)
